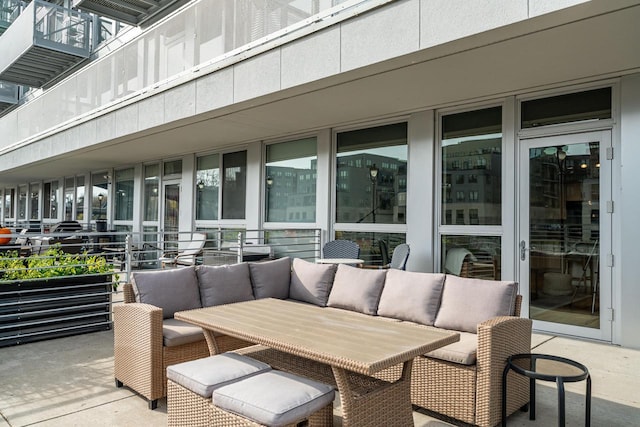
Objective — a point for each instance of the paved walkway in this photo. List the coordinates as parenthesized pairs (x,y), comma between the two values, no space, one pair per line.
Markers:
(69,382)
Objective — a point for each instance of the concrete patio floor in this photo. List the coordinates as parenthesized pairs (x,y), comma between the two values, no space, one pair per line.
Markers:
(69,382)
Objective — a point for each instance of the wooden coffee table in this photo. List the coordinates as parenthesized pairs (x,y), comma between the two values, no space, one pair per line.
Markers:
(346,341)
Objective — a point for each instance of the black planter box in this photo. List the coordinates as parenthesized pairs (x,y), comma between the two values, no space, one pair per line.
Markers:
(53,308)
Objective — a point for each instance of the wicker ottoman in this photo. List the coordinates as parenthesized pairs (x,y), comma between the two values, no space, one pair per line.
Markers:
(191,384)
(274,399)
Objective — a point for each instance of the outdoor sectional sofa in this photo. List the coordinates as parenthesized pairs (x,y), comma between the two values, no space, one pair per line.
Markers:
(460,381)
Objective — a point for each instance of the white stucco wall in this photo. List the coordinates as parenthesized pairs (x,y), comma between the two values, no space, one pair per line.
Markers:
(627,274)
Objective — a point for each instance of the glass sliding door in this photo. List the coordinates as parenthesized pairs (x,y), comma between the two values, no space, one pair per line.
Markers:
(565,233)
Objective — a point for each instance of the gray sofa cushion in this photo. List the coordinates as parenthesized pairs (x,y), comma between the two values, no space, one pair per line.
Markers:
(224,284)
(270,279)
(176,332)
(311,282)
(357,289)
(411,296)
(274,398)
(172,290)
(463,352)
(202,376)
(468,302)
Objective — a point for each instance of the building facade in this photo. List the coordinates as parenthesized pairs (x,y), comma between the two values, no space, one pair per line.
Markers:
(494,137)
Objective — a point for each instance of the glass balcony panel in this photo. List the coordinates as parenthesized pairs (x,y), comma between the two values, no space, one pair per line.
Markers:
(8,95)
(9,11)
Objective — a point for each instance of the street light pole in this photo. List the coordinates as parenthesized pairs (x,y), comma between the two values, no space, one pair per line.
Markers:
(373,176)
(269,182)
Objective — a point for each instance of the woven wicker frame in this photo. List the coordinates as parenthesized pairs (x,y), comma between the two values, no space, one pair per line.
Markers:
(140,358)
(186,408)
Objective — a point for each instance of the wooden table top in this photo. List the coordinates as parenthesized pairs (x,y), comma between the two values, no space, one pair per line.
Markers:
(354,341)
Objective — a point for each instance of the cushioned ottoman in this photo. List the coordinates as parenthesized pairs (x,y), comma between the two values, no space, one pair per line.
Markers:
(273,398)
(191,384)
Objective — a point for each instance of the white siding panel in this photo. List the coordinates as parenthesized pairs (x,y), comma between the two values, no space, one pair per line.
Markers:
(257,76)
(105,127)
(311,58)
(446,20)
(180,102)
(540,7)
(151,112)
(127,120)
(214,90)
(379,35)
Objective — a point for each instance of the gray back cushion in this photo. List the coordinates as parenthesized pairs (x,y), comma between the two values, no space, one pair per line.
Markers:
(357,289)
(411,296)
(468,302)
(224,284)
(172,290)
(311,282)
(270,279)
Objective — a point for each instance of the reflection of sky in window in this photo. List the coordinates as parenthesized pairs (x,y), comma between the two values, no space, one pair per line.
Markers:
(301,163)
(471,138)
(398,152)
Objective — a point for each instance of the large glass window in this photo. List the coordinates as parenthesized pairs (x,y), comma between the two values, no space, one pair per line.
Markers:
(151,188)
(69,189)
(207,187)
(472,165)
(34,201)
(51,200)
(9,200)
(124,195)
(371,175)
(375,248)
(234,185)
(22,202)
(99,195)
(80,198)
(471,256)
(573,107)
(291,172)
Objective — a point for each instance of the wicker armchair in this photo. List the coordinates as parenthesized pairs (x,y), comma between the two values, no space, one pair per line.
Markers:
(140,356)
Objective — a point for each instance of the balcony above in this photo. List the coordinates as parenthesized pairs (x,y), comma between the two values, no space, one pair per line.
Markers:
(9,11)
(43,42)
(134,12)
(8,95)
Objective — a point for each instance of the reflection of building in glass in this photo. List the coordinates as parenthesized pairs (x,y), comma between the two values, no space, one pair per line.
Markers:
(471,192)
(291,196)
(355,201)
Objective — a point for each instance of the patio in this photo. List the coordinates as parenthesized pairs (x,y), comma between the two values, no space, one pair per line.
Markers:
(69,381)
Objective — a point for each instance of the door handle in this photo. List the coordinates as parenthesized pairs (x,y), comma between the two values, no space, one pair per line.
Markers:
(523,250)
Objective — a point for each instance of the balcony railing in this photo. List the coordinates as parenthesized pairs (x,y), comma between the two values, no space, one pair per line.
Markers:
(8,94)
(9,11)
(41,43)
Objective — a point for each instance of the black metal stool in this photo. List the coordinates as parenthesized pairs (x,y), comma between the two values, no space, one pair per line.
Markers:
(546,368)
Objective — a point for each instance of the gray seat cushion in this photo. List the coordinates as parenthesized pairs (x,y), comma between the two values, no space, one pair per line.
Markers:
(270,279)
(311,282)
(463,352)
(224,284)
(357,289)
(424,290)
(469,302)
(172,290)
(176,332)
(274,398)
(202,376)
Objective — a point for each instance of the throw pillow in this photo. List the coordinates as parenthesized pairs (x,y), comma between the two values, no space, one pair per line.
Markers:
(270,279)
(311,282)
(357,289)
(411,296)
(224,284)
(172,290)
(468,302)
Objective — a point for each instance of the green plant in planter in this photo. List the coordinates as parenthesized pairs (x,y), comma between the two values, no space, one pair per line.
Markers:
(50,264)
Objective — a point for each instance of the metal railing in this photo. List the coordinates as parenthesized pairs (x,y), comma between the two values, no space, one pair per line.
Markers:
(59,284)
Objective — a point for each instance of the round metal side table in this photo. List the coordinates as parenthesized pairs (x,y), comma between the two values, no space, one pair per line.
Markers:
(547,368)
